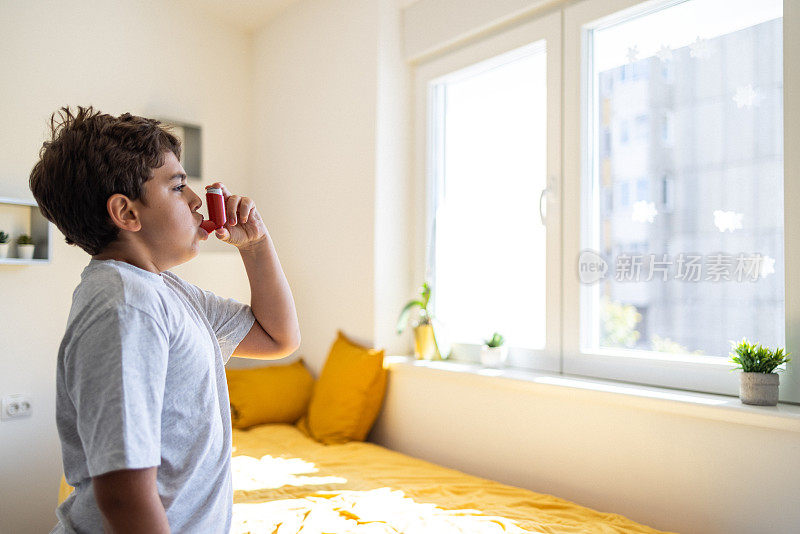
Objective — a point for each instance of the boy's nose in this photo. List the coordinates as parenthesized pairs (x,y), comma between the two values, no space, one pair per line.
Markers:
(197,202)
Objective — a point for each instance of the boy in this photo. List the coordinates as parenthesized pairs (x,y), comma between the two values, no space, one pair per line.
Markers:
(142,403)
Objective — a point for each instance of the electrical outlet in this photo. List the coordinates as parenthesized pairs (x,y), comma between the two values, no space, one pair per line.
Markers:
(15,407)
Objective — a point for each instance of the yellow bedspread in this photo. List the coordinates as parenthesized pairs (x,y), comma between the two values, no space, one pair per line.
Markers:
(286,483)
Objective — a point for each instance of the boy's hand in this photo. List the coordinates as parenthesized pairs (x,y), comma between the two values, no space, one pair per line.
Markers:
(244,227)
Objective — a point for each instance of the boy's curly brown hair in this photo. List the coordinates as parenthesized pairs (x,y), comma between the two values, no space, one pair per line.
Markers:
(91,156)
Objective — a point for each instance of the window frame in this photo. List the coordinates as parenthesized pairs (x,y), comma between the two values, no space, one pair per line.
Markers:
(563,28)
(690,372)
(427,190)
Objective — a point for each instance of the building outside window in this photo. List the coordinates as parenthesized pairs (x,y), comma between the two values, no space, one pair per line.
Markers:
(723,118)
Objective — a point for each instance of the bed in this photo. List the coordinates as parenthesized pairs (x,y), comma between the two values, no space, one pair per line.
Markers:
(285,482)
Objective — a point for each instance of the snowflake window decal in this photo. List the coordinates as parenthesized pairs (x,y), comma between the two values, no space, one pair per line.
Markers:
(644,211)
(747,97)
(727,220)
(700,48)
(664,54)
(633,54)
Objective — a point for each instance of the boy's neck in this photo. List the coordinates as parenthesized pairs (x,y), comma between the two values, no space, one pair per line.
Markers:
(137,260)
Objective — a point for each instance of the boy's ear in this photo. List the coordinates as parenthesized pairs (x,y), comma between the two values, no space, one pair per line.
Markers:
(123,212)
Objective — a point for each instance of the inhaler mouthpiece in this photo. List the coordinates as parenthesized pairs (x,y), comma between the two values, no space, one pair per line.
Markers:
(216,210)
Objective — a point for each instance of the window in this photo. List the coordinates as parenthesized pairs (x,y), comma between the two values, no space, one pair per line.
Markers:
(667,73)
(667,132)
(624,194)
(642,190)
(666,194)
(608,201)
(605,147)
(672,189)
(492,153)
(728,168)
(712,266)
(492,232)
(642,127)
(623,132)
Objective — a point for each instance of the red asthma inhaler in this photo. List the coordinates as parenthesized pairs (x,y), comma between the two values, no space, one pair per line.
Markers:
(216,209)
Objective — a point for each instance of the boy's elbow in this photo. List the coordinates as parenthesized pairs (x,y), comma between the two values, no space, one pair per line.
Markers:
(281,347)
(292,343)
(296,343)
(290,347)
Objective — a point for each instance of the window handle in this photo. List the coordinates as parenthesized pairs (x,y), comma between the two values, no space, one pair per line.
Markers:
(543,210)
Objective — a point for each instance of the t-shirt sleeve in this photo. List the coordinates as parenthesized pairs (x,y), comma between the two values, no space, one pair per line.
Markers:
(230,319)
(115,371)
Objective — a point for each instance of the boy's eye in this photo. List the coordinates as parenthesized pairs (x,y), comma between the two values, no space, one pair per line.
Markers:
(180,187)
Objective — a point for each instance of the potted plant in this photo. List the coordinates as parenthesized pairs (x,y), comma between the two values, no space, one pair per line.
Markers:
(425,346)
(4,244)
(493,352)
(25,246)
(759,384)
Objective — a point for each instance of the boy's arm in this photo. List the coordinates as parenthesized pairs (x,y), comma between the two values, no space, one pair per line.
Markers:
(129,501)
(276,332)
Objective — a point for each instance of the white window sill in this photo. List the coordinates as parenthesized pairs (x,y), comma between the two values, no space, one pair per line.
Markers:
(703,405)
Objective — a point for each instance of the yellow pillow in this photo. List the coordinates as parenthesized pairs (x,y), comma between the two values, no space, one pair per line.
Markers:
(64,490)
(348,395)
(277,394)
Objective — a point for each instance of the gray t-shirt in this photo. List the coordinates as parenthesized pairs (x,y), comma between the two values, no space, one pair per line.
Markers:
(141,383)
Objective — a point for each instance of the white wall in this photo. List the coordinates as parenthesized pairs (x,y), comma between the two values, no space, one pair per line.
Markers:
(431,26)
(149,58)
(316,111)
(394,284)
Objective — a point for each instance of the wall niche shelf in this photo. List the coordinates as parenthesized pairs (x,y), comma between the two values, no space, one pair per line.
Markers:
(20,216)
(191,146)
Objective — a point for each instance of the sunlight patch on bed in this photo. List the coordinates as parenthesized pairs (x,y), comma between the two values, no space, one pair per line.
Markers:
(375,511)
(270,472)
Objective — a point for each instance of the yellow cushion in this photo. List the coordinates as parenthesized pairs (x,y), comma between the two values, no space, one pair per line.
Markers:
(348,395)
(64,490)
(278,394)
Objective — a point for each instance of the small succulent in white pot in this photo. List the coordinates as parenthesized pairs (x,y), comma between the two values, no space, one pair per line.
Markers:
(493,352)
(25,246)
(759,383)
(4,244)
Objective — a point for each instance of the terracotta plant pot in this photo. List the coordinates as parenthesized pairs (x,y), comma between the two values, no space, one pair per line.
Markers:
(760,389)
(425,347)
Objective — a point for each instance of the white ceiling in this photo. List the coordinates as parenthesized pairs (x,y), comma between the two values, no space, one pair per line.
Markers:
(249,15)
(246,15)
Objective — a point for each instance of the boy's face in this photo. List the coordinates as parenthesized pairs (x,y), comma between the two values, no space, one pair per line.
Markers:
(170,222)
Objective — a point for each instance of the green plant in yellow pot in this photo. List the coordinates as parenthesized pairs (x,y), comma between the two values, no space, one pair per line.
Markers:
(425,347)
